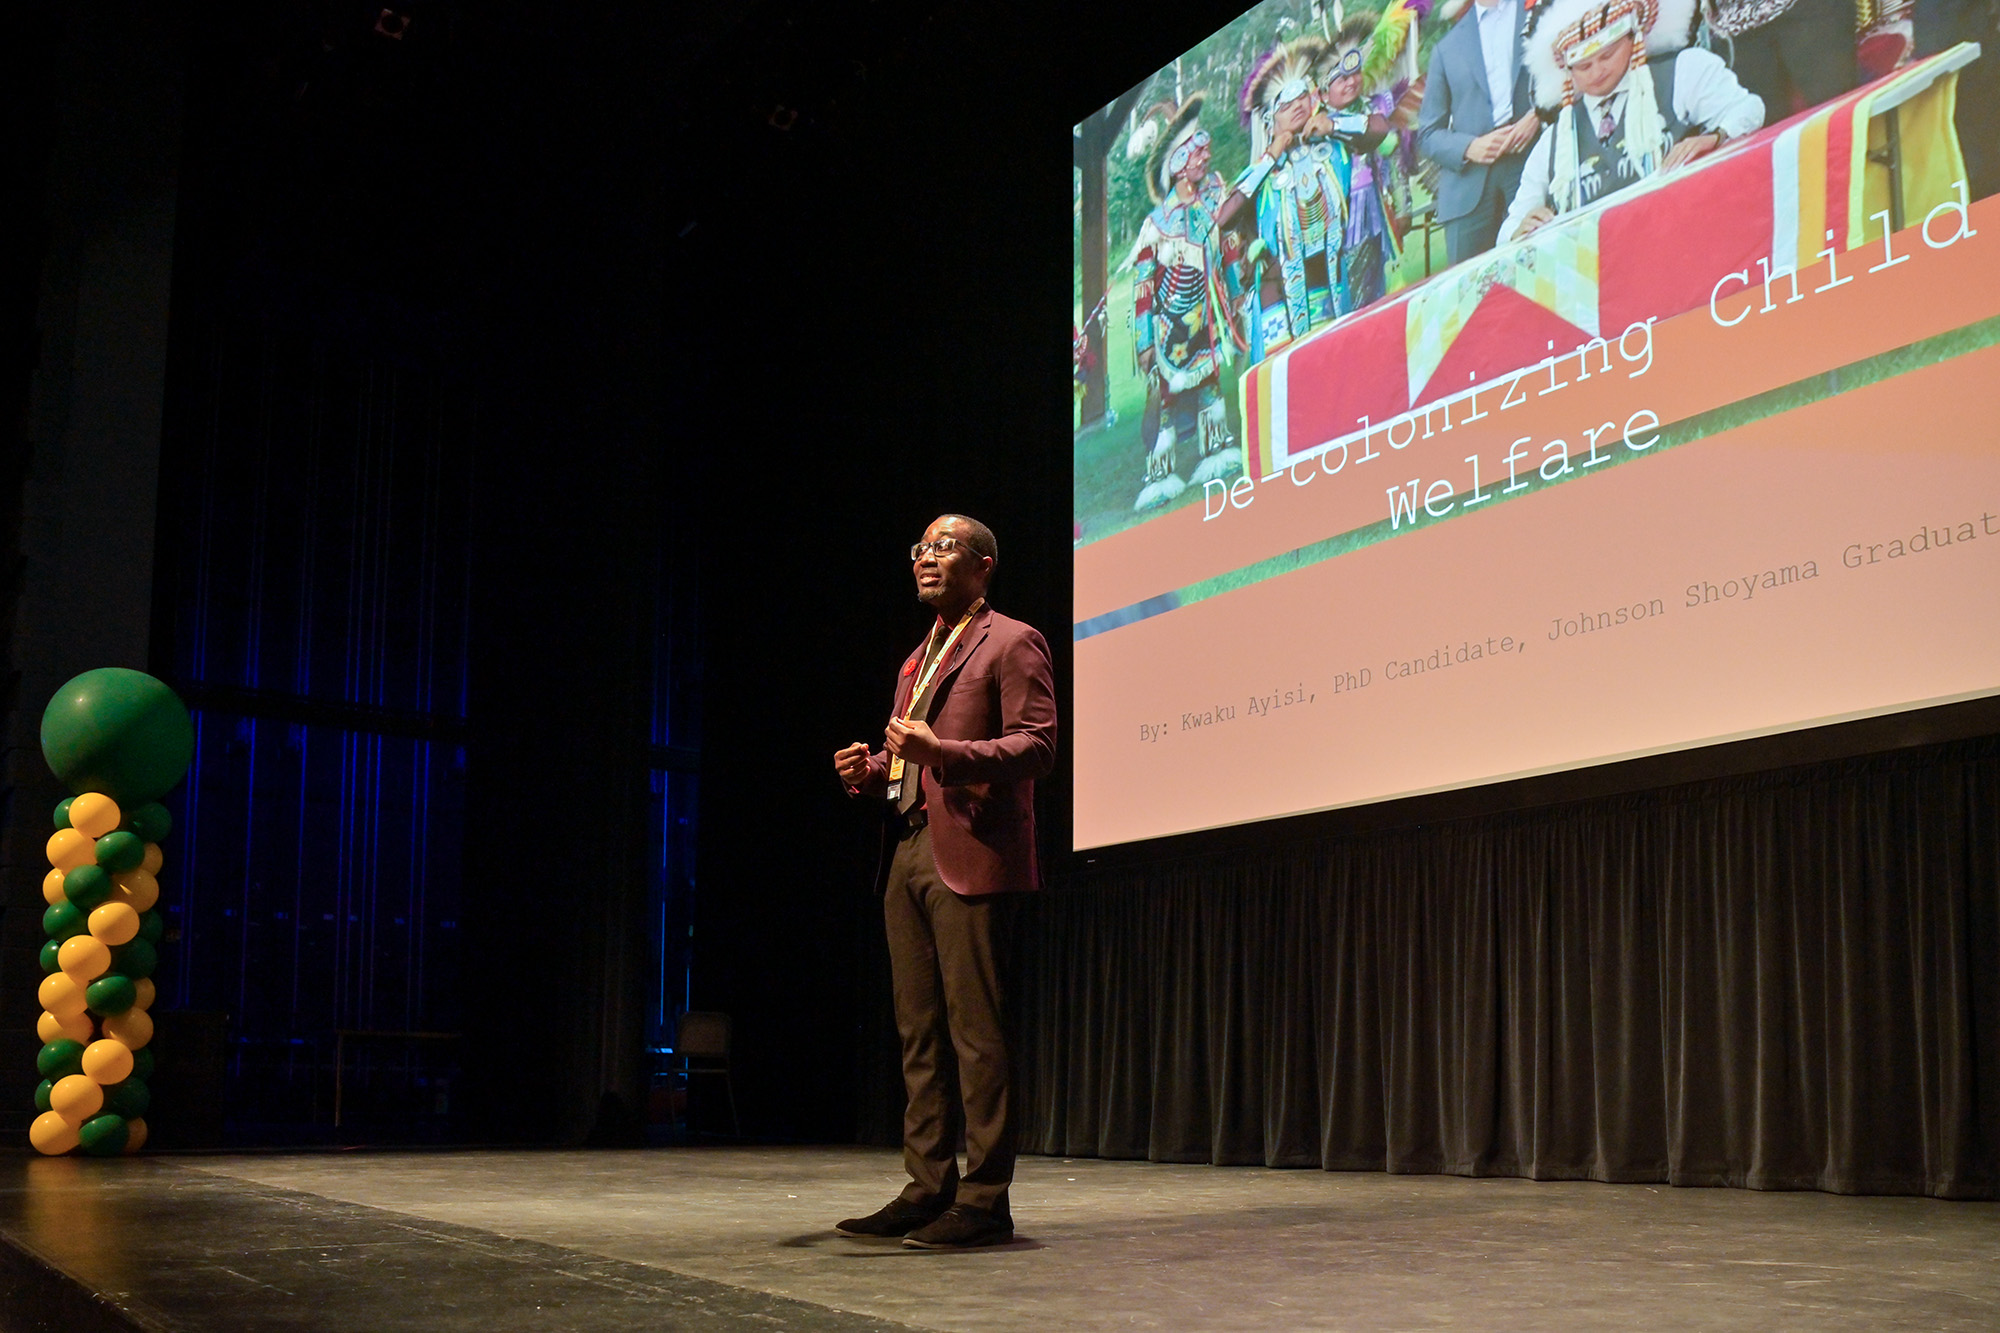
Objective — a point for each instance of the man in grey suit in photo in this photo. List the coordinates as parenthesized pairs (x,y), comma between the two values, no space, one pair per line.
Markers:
(1477,123)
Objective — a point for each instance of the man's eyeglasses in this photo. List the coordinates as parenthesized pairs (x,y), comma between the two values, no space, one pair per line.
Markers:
(942,546)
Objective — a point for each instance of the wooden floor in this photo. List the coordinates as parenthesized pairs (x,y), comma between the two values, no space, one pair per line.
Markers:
(741,1238)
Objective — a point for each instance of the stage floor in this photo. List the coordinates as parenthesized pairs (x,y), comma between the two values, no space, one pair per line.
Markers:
(739,1238)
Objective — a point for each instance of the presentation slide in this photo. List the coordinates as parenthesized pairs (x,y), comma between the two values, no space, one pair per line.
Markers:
(1698,445)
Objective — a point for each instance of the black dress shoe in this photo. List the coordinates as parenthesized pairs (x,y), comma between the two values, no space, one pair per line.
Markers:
(898,1217)
(962,1228)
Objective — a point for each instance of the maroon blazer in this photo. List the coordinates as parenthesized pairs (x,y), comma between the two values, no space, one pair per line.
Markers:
(993,707)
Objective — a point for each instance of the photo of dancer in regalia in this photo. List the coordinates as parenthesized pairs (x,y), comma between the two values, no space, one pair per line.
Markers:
(1292,200)
(1182,300)
(1355,82)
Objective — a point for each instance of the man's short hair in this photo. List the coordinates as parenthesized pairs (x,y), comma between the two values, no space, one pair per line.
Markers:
(976,535)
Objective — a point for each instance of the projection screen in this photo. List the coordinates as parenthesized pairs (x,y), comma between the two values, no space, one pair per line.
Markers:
(1706,451)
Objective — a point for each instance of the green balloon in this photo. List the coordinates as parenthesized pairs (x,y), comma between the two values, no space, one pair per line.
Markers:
(120,732)
(120,851)
(111,994)
(135,960)
(51,959)
(43,1094)
(62,812)
(88,886)
(129,1099)
(59,1059)
(142,1063)
(151,822)
(105,1135)
(152,927)
(63,921)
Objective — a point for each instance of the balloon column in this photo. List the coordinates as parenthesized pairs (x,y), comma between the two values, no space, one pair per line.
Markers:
(120,740)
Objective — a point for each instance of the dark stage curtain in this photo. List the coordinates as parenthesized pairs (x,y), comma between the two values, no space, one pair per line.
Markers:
(1790,981)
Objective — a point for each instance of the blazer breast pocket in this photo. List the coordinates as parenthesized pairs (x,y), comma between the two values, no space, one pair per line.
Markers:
(968,703)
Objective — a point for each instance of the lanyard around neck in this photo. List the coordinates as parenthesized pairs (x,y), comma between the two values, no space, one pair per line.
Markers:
(924,681)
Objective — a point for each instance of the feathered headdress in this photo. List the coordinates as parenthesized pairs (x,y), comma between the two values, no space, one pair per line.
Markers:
(1146,129)
(1381,41)
(1561,32)
(1181,127)
(1285,73)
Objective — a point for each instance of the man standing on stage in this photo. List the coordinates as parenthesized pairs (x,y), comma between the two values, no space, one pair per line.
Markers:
(1476,123)
(974,725)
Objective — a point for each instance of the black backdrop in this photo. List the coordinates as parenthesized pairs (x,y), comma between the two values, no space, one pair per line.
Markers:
(1777,979)
(870,208)
(785,281)
(1781,978)
(1785,981)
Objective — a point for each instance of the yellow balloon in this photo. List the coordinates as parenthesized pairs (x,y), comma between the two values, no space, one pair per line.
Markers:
(76,1099)
(83,959)
(61,996)
(132,1029)
(135,1132)
(147,991)
(108,1061)
(52,1135)
(114,924)
(75,1026)
(155,858)
(94,814)
(52,888)
(70,848)
(137,889)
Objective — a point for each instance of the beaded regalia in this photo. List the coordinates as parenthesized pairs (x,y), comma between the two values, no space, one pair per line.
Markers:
(1182,299)
(1361,62)
(1297,188)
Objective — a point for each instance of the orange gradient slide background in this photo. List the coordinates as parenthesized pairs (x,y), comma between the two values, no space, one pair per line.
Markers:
(1815,487)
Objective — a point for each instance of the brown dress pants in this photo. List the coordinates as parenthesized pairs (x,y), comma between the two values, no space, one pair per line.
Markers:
(947,957)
